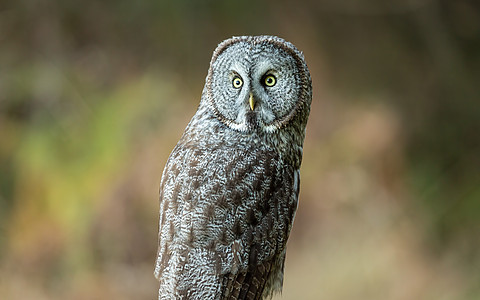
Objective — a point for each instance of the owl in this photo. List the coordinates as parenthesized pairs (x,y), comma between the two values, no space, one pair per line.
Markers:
(230,187)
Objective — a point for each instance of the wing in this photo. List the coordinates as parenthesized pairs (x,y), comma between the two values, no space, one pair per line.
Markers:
(246,285)
(225,217)
(272,202)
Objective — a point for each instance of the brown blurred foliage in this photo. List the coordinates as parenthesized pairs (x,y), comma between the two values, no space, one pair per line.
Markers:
(95,94)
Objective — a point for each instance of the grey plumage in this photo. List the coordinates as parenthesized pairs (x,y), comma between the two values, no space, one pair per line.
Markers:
(229,190)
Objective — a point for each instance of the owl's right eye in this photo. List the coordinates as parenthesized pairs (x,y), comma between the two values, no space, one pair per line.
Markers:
(237,82)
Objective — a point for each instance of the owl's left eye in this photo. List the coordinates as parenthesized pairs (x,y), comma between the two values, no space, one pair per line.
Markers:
(270,80)
(237,82)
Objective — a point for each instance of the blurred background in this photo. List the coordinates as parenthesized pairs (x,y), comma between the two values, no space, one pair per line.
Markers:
(95,94)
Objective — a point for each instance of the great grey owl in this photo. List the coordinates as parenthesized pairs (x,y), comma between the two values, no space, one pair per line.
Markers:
(229,190)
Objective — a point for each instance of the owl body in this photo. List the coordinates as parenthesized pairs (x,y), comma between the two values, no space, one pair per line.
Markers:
(229,190)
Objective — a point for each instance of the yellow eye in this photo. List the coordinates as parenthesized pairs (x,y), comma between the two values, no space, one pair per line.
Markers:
(270,80)
(237,82)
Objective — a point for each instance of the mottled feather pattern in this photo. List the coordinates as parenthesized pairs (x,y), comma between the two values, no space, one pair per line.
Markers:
(228,198)
(233,214)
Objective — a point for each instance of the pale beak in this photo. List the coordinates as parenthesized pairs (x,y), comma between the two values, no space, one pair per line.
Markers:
(251,101)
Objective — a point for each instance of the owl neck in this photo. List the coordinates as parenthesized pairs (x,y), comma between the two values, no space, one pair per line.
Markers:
(205,130)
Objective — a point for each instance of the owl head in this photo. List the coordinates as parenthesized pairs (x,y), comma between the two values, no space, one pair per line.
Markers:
(258,84)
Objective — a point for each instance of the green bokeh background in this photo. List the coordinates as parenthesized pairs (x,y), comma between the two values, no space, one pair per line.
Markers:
(95,94)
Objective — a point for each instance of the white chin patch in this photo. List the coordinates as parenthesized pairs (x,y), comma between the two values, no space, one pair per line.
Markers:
(265,119)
